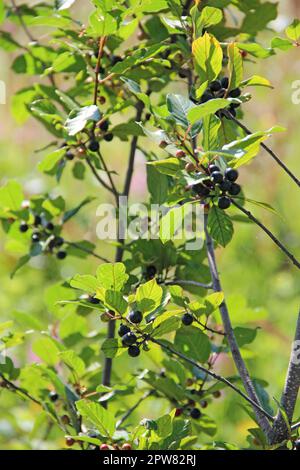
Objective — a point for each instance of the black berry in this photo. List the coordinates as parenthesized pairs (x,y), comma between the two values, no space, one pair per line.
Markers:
(59,241)
(151,271)
(215,85)
(69,155)
(53,396)
(104,126)
(234,189)
(135,316)
(201,190)
(123,330)
(232,112)
(231,174)
(221,93)
(187,319)
(129,339)
(207,96)
(297,444)
(134,351)
(50,226)
(93,300)
(217,176)
(108,137)
(61,255)
(235,93)
(195,413)
(115,59)
(23,227)
(225,185)
(224,202)
(213,168)
(37,220)
(35,237)
(225,82)
(94,146)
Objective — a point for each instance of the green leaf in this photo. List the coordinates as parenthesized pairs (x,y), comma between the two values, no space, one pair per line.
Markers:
(55,21)
(148,296)
(235,66)
(293,30)
(110,348)
(208,55)
(256,80)
(282,44)
(11,196)
(157,185)
(73,362)
(210,16)
(102,419)
(169,166)
(47,350)
(179,107)
(85,282)
(206,109)
(72,212)
(112,276)
(2,11)
(220,226)
(114,300)
(51,161)
(82,117)
(193,343)
(102,24)
(245,335)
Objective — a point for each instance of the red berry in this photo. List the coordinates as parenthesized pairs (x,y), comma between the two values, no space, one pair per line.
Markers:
(126,446)
(70,441)
(178,412)
(104,447)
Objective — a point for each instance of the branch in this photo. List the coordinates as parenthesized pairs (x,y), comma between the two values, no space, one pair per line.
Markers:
(290,393)
(234,348)
(18,390)
(106,378)
(265,147)
(218,377)
(113,187)
(139,111)
(86,250)
(99,179)
(268,232)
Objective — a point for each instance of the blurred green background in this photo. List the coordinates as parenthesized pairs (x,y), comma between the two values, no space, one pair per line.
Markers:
(251,265)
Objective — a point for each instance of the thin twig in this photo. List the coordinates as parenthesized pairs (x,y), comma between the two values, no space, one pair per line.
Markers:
(105,167)
(134,407)
(215,376)
(22,22)
(232,342)
(102,41)
(290,393)
(264,146)
(268,232)
(86,250)
(139,111)
(18,390)
(98,177)
(184,282)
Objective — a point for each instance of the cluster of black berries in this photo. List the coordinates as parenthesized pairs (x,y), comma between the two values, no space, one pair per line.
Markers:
(219,89)
(129,339)
(43,231)
(217,180)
